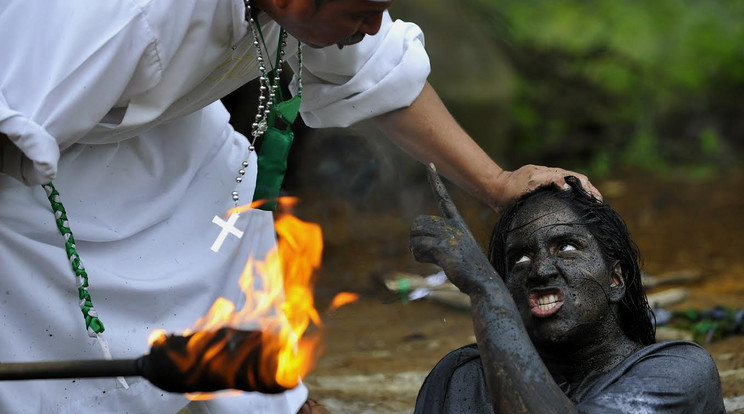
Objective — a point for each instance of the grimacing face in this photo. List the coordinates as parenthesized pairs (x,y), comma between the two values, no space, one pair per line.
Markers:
(335,22)
(557,275)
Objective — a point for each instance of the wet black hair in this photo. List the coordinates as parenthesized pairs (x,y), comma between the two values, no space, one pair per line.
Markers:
(614,239)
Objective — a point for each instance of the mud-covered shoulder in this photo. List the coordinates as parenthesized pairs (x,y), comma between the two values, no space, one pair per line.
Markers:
(455,385)
(667,377)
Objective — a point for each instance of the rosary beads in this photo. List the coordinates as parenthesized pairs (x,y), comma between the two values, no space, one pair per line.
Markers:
(268,86)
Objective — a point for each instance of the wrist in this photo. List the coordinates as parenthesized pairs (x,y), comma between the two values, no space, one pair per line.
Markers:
(487,285)
(492,296)
(496,189)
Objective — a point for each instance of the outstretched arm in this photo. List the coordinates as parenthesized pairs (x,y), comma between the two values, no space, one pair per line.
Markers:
(429,133)
(517,379)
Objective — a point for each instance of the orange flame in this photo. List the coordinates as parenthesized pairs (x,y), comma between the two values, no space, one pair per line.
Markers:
(341,299)
(283,307)
(300,248)
(156,336)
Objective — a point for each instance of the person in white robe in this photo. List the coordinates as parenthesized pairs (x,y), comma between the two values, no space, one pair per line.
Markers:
(117,103)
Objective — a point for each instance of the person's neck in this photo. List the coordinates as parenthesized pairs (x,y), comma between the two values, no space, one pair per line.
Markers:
(573,363)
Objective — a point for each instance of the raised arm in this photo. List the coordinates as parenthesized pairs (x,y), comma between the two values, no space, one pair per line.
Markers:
(428,132)
(517,379)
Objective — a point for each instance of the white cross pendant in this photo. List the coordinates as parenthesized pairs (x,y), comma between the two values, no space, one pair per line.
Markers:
(228,227)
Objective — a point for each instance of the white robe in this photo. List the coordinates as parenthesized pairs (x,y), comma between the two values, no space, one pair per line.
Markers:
(117,102)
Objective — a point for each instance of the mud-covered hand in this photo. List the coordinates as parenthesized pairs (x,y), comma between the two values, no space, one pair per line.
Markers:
(448,242)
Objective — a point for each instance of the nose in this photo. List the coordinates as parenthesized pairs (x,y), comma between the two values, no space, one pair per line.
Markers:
(544,267)
(371,24)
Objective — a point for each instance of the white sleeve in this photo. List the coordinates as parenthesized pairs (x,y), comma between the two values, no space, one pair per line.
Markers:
(70,65)
(384,72)
(33,158)
(65,66)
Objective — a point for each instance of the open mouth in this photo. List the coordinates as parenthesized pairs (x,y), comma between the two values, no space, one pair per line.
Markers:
(544,303)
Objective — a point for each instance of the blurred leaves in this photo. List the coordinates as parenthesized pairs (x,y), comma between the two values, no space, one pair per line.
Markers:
(597,85)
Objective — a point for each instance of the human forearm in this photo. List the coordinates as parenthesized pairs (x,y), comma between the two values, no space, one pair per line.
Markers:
(428,132)
(517,379)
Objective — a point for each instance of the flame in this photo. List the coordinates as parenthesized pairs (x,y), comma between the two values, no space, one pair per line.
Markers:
(285,203)
(282,309)
(341,299)
(300,248)
(156,336)
(204,396)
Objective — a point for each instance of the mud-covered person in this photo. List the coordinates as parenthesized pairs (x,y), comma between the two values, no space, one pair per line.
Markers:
(561,319)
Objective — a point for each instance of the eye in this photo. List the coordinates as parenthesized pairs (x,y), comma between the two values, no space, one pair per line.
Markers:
(522,259)
(565,247)
(518,257)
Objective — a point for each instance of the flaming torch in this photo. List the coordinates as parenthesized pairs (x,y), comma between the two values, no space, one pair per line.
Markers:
(204,361)
(217,354)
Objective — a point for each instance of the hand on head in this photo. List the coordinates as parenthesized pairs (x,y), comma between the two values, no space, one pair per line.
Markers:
(529,177)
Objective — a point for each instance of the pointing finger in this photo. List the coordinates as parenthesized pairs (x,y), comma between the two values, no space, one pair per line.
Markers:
(440,191)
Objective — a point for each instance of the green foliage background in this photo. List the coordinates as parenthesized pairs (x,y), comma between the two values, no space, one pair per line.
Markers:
(593,85)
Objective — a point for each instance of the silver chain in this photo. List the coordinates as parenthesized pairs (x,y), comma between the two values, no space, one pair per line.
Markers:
(260,123)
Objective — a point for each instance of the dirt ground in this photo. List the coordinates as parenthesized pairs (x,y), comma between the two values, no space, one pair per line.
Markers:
(379,349)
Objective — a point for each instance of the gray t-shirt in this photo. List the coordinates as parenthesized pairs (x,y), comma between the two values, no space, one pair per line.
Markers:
(667,377)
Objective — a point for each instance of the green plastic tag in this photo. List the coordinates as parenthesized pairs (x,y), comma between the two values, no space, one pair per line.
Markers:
(272,158)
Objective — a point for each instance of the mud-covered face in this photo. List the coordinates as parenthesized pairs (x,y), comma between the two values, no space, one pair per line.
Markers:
(557,274)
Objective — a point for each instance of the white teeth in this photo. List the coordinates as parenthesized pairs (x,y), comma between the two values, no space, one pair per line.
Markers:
(547,302)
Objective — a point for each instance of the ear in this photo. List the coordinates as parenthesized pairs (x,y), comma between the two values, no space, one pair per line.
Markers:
(617,284)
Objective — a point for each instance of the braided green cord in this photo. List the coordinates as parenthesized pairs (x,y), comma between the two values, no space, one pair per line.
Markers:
(92,323)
